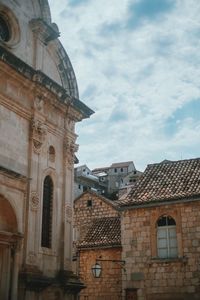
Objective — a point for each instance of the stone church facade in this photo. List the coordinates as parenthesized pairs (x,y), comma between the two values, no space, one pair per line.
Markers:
(39,106)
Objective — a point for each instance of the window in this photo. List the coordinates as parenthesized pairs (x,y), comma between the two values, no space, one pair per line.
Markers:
(4,30)
(115,170)
(166,237)
(89,203)
(85,188)
(9,27)
(121,169)
(52,154)
(47,212)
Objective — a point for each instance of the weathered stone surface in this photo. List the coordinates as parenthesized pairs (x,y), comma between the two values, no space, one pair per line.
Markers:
(39,107)
(162,278)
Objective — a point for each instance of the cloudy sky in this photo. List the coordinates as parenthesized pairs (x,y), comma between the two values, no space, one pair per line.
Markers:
(137,64)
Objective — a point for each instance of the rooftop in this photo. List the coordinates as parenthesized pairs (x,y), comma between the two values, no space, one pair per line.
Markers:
(92,193)
(104,232)
(121,164)
(168,180)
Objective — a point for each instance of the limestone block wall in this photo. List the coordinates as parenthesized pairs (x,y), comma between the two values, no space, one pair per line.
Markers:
(156,278)
(14,150)
(108,286)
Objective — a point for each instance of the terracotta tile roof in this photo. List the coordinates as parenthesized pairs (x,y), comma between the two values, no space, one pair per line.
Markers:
(104,232)
(168,180)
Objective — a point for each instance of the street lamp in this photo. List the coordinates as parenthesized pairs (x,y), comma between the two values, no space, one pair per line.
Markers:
(96,270)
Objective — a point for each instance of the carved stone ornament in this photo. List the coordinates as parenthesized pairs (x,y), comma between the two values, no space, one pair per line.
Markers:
(34,201)
(39,103)
(39,132)
(70,125)
(69,149)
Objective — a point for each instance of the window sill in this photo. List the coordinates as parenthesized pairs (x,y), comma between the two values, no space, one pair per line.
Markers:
(158,260)
(47,251)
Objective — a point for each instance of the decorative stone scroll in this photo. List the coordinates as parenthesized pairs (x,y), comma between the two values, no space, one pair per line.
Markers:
(34,201)
(39,132)
(70,125)
(69,149)
(39,103)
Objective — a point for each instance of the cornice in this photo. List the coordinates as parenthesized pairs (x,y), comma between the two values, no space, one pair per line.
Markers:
(40,80)
(16,108)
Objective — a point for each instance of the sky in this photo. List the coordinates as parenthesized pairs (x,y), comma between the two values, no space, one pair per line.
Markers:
(137,64)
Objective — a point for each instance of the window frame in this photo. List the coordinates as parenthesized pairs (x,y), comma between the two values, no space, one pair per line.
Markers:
(166,238)
(156,212)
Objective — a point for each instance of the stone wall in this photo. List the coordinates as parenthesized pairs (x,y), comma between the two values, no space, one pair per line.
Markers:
(84,214)
(108,286)
(156,278)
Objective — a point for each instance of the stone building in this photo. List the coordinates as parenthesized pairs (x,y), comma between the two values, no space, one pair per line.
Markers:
(98,240)
(88,207)
(101,249)
(85,180)
(118,176)
(39,106)
(160,225)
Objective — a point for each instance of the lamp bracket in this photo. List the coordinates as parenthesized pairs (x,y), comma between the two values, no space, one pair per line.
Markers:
(120,262)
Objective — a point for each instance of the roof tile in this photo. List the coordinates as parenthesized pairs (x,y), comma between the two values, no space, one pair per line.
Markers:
(103,232)
(166,181)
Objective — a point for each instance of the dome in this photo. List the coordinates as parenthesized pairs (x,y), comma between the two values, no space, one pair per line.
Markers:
(26,31)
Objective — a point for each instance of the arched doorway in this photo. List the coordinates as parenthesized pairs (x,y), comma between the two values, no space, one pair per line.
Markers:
(9,239)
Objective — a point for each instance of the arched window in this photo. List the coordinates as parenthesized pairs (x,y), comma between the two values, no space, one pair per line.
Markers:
(52,154)
(166,237)
(47,212)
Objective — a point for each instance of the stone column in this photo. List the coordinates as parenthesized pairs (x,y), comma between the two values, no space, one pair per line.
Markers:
(69,149)
(5,271)
(15,273)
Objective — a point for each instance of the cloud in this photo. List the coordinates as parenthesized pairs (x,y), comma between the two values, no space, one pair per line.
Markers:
(137,65)
(144,10)
(76,2)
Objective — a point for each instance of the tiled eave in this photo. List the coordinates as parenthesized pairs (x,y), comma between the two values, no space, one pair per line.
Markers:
(40,78)
(158,202)
(92,247)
